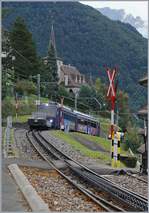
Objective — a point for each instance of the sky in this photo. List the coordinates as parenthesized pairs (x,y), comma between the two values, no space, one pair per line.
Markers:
(136,8)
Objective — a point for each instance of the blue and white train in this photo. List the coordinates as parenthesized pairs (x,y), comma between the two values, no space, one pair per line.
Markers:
(52,115)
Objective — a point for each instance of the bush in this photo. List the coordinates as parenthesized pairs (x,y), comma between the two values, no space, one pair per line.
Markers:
(25,87)
(132,139)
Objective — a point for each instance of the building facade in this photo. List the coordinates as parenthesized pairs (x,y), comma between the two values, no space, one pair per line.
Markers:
(70,77)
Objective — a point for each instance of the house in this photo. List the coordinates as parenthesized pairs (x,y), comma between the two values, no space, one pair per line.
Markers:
(70,76)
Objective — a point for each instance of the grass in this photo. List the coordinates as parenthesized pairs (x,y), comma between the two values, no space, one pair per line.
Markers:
(21,118)
(106,144)
(67,137)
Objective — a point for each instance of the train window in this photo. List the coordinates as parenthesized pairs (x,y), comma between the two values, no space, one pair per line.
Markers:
(49,110)
(81,121)
(69,117)
(93,125)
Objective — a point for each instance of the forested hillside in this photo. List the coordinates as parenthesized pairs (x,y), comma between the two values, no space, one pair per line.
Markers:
(88,40)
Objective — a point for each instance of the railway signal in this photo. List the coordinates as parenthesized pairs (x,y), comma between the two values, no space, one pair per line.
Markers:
(111,95)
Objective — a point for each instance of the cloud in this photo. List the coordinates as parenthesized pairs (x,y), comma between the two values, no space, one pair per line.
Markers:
(120,14)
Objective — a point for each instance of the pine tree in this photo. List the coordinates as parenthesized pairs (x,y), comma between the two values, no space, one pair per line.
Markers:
(24,50)
(51,72)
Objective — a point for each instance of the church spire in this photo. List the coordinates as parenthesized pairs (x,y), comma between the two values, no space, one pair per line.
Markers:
(52,39)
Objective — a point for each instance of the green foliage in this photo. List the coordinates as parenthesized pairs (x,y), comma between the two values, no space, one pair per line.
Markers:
(25,87)
(132,139)
(25,62)
(51,72)
(5,12)
(7,83)
(123,110)
(62,91)
(26,106)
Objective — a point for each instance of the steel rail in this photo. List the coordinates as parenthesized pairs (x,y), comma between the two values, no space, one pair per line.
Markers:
(97,199)
(135,200)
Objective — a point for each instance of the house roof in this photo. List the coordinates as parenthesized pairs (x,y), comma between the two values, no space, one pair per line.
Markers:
(141,149)
(70,70)
(141,131)
(142,113)
(143,81)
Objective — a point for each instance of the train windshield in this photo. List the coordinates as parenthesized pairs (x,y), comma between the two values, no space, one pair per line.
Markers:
(49,110)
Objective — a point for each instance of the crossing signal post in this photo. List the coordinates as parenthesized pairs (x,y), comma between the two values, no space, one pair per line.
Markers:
(111,95)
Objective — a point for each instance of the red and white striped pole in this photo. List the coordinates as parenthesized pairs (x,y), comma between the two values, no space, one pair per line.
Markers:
(111,94)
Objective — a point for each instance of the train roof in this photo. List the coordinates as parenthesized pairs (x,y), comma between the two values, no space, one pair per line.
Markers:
(83,115)
(80,114)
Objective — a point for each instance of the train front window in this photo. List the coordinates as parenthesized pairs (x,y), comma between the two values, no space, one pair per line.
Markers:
(48,110)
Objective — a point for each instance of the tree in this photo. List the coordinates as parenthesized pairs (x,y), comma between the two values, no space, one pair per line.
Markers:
(123,108)
(25,87)
(51,73)
(24,50)
(7,66)
(86,96)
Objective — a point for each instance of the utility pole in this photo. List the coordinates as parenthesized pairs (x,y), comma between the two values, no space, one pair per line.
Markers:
(76,96)
(38,87)
(61,114)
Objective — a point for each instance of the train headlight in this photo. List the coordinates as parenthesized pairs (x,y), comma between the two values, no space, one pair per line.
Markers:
(51,120)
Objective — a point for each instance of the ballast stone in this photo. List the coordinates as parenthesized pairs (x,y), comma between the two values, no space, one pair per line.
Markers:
(34,200)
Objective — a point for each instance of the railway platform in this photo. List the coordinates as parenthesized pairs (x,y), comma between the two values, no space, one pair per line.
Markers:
(12,198)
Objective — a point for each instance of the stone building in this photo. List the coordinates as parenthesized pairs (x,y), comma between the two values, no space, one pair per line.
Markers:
(70,76)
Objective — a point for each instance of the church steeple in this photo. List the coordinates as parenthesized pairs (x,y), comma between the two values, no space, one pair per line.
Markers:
(52,39)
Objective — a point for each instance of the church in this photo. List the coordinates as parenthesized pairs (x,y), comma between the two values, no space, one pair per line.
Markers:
(67,74)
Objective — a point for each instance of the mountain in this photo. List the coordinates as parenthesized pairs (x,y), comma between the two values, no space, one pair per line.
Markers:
(86,39)
(119,14)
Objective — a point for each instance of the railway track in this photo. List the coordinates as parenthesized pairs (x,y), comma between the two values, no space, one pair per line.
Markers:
(104,192)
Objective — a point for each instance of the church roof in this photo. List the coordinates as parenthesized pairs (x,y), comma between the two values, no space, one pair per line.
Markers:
(70,70)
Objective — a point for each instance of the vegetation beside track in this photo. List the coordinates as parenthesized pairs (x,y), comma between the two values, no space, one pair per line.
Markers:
(105,144)
(67,137)
(26,105)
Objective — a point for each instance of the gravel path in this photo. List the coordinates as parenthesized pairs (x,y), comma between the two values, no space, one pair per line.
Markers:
(68,150)
(57,192)
(130,183)
(24,148)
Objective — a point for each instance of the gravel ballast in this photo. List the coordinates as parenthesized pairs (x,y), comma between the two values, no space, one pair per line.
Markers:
(130,183)
(57,192)
(24,147)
